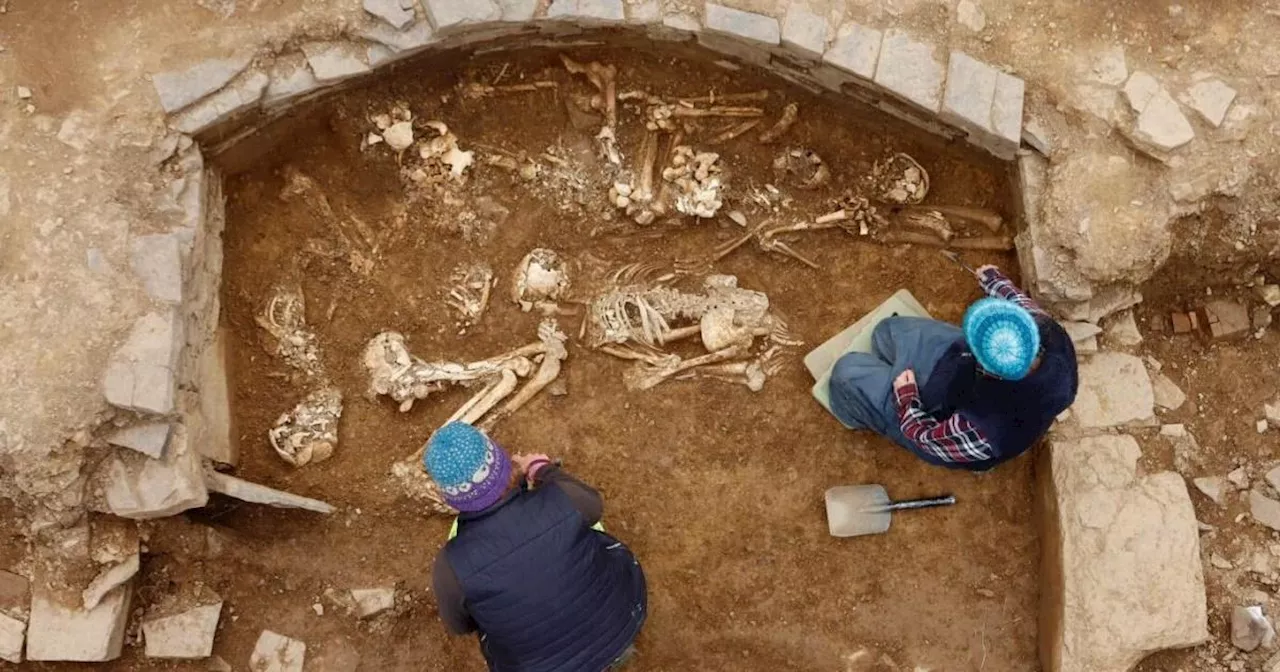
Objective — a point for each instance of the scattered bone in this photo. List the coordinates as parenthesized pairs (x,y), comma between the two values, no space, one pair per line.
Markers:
(638,200)
(309,433)
(964,215)
(698,180)
(900,179)
(788,119)
(443,150)
(931,220)
(399,136)
(604,79)
(418,485)
(472,285)
(804,165)
(540,277)
(284,317)
(548,371)
(663,116)
(477,91)
(992,243)
(855,218)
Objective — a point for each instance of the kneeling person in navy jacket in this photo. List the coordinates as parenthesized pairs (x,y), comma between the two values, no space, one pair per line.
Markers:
(528,566)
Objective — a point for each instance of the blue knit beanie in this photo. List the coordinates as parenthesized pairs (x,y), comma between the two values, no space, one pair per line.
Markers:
(1003,336)
(472,471)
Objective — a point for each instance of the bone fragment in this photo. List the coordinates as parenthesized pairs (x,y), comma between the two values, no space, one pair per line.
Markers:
(734,131)
(988,218)
(753,96)
(645,378)
(698,112)
(487,398)
(992,243)
(789,115)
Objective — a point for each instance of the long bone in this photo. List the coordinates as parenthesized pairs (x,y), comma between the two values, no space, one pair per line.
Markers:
(643,378)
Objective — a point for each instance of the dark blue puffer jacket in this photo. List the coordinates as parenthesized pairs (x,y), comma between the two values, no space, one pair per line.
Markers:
(548,593)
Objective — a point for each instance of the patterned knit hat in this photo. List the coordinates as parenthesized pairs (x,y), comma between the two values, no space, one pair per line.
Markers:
(472,471)
(1003,336)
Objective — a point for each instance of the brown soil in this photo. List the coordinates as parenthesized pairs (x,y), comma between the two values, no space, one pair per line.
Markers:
(717,489)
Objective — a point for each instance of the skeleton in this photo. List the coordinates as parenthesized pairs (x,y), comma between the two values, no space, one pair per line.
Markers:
(634,321)
(472,285)
(285,319)
(309,432)
(541,278)
(604,79)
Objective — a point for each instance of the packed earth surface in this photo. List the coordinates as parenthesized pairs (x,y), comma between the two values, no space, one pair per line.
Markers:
(1141,180)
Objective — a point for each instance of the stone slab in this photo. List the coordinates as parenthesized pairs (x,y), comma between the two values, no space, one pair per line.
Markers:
(390,11)
(1160,126)
(401,42)
(448,15)
(141,374)
(1006,114)
(985,103)
(139,488)
(149,438)
(1114,390)
(189,634)
(180,88)
(856,50)
(212,433)
(1212,487)
(15,593)
(805,32)
(518,11)
(1166,393)
(276,653)
(238,97)
(748,26)
(13,635)
(1122,575)
(261,494)
(909,69)
(1264,510)
(1211,98)
(109,579)
(335,61)
(1227,320)
(587,11)
(57,632)
(291,77)
(157,261)
(644,12)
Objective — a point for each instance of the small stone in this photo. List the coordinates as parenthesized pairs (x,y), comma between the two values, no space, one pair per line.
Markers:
(970,15)
(1250,629)
(217,664)
(1178,430)
(318,608)
(1227,320)
(389,11)
(12,636)
(180,88)
(1123,330)
(57,632)
(24,93)
(1035,135)
(1239,478)
(188,635)
(334,61)
(399,136)
(744,25)
(909,69)
(261,494)
(1166,393)
(108,580)
(1211,98)
(1211,487)
(856,50)
(1264,510)
(157,260)
(277,653)
(1109,67)
(1261,318)
(804,31)
(370,602)
(449,14)
(1270,294)
(1261,426)
(1272,413)
(1219,561)
(1273,478)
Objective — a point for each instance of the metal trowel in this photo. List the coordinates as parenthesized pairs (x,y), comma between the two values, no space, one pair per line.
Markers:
(855,510)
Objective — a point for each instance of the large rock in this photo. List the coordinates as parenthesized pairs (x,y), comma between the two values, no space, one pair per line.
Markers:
(1114,390)
(141,488)
(186,635)
(1122,574)
(58,632)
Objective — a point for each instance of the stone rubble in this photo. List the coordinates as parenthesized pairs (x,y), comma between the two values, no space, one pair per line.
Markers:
(970,15)
(1250,629)
(1272,413)
(1211,98)
(188,634)
(1264,510)
(57,632)
(1227,320)
(1273,478)
(1122,568)
(149,438)
(1270,294)
(261,494)
(1114,390)
(1239,477)
(1212,487)
(276,653)
(1123,330)
(370,602)
(109,579)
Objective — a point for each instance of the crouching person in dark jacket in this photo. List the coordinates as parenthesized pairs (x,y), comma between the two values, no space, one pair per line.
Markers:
(528,567)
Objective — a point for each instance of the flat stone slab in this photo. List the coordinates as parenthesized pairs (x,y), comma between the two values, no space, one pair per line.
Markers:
(13,634)
(149,438)
(140,488)
(1264,510)
(1114,390)
(236,98)
(805,32)
(909,69)
(180,88)
(400,42)
(1122,575)
(141,374)
(188,635)
(856,50)
(335,61)
(1212,487)
(1211,98)
(261,494)
(1166,393)
(1161,125)
(747,26)
(276,653)
(15,593)
(447,14)
(157,261)
(390,11)
(58,632)
(589,11)
(290,77)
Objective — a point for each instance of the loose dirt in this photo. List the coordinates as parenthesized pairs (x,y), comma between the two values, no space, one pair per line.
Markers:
(717,489)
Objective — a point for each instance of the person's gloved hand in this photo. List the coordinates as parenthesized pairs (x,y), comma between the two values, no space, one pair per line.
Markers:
(530,464)
(905,378)
(981,271)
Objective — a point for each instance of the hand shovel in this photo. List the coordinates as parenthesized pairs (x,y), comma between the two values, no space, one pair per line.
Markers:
(855,510)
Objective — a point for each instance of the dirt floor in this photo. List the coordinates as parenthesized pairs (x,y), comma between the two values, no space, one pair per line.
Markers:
(717,489)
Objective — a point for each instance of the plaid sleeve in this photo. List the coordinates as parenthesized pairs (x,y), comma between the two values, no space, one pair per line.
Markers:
(956,440)
(997,284)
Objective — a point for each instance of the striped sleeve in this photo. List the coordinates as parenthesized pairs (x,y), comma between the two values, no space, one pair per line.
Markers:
(954,440)
(997,284)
